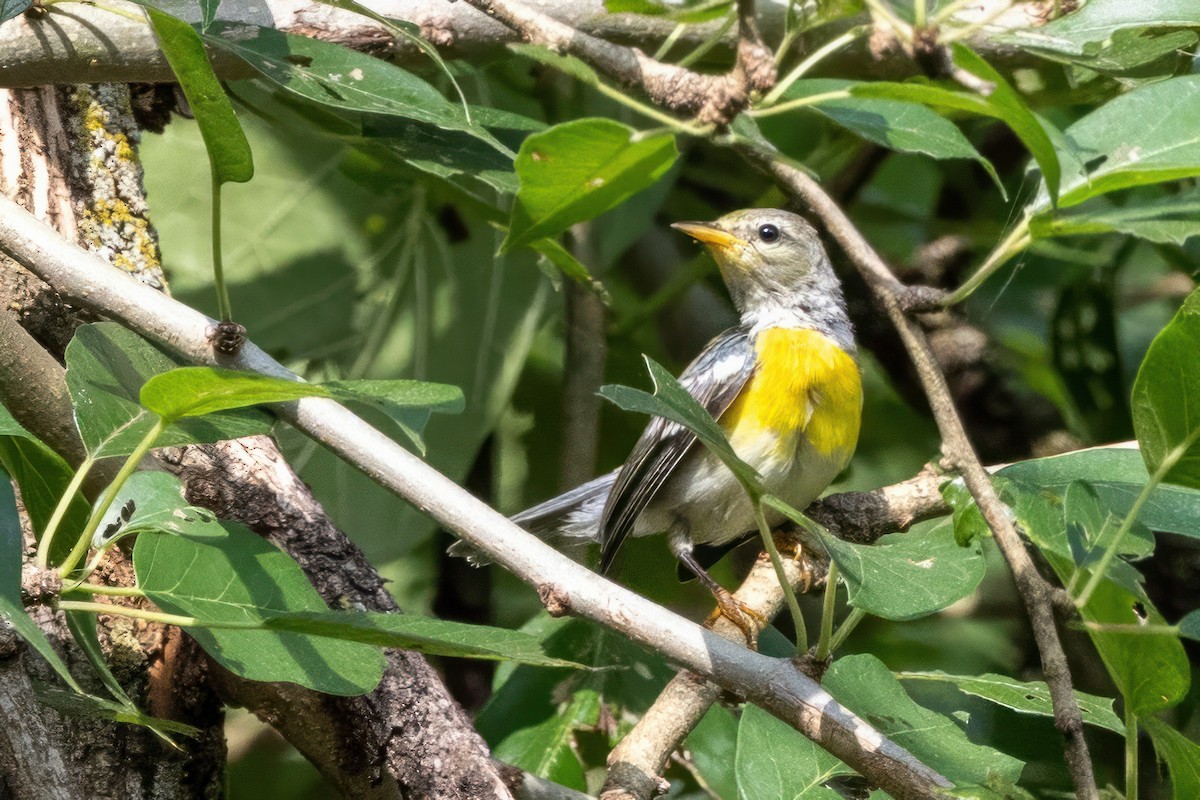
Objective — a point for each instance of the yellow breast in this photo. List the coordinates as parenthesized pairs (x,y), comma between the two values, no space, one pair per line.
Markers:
(804,384)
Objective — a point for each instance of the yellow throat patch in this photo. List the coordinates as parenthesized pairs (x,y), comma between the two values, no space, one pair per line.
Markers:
(804,383)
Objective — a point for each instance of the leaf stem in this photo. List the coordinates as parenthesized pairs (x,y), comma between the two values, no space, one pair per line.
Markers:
(109,591)
(807,64)
(1015,242)
(799,102)
(60,511)
(789,594)
(710,42)
(139,613)
(110,494)
(918,14)
(1131,753)
(827,612)
(224,309)
(847,627)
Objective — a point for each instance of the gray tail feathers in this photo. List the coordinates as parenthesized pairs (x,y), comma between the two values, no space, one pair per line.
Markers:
(569,522)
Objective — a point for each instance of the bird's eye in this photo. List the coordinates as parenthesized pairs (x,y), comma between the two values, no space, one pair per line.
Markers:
(768,233)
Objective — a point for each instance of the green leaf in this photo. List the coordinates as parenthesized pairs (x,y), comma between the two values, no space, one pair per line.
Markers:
(339,77)
(710,744)
(241,580)
(437,637)
(867,687)
(773,759)
(578,170)
(1149,668)
(90,707)
(907,575)
(107,366)
(13,8)
(1112,34)
(1091,526)
(1166,399)
(1024,697)
(12,549)
(570,266)
(563,62)
(224,139)
(1129,141)
(153,502)
(196,391)
(548,748)
(43,477)
(894,124)
(1172,219)
(208,13)
(671,401)
(1181,755)
(1003,103)
(407,403)
(1117,475)
(410,33)
(1189,626)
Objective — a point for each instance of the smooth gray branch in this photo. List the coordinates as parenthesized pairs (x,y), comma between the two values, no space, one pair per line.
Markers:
(774,684)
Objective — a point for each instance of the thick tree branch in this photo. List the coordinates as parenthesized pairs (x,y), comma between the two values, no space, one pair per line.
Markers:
(80,43)
(712,99)
(1036,593)
(565,587)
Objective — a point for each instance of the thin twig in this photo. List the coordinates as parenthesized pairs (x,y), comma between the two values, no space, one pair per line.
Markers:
(564,586)
(1036,593)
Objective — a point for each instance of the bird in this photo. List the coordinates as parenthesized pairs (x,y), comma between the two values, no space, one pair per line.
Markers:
(784,384)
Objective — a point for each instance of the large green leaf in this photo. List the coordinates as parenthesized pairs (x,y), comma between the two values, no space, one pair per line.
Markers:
(436,637)
(1113,35)
(43,477)
(153,502)
(239,580)
(339,77)
(1131,141)
(710,744)
(198,391)
(13,8)
(407,403)
(1117,475)
(580,169)
(1003,103)
(773,759)
(1181,755)
(908,575)
(867,687)
(894,124)
(1171,219)
(1024,697)
(1149,667)
(547,749)
(11,609)
(1166,398)
(107,365)
(224,139)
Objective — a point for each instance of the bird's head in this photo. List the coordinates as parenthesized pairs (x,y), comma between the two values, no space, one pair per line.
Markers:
(766,256)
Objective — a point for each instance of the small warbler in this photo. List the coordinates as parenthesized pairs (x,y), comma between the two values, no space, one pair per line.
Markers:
(784,385)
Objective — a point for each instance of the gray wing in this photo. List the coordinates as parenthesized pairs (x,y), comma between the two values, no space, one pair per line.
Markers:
(715,378)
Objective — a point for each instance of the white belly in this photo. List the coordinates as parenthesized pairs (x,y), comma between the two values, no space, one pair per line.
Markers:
(703,495)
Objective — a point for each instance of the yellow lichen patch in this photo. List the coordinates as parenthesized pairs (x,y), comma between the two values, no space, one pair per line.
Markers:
(804,383)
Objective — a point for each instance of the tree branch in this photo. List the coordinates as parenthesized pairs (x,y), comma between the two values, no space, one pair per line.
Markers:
(1036,593)
(82,43)
(774,684)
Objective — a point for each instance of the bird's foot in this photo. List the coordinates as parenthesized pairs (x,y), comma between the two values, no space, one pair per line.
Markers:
(748,621)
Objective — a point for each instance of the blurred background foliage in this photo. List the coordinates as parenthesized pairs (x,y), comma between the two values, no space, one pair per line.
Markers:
(345,262)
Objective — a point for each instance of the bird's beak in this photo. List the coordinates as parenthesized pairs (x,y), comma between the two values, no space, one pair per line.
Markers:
(709,234)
